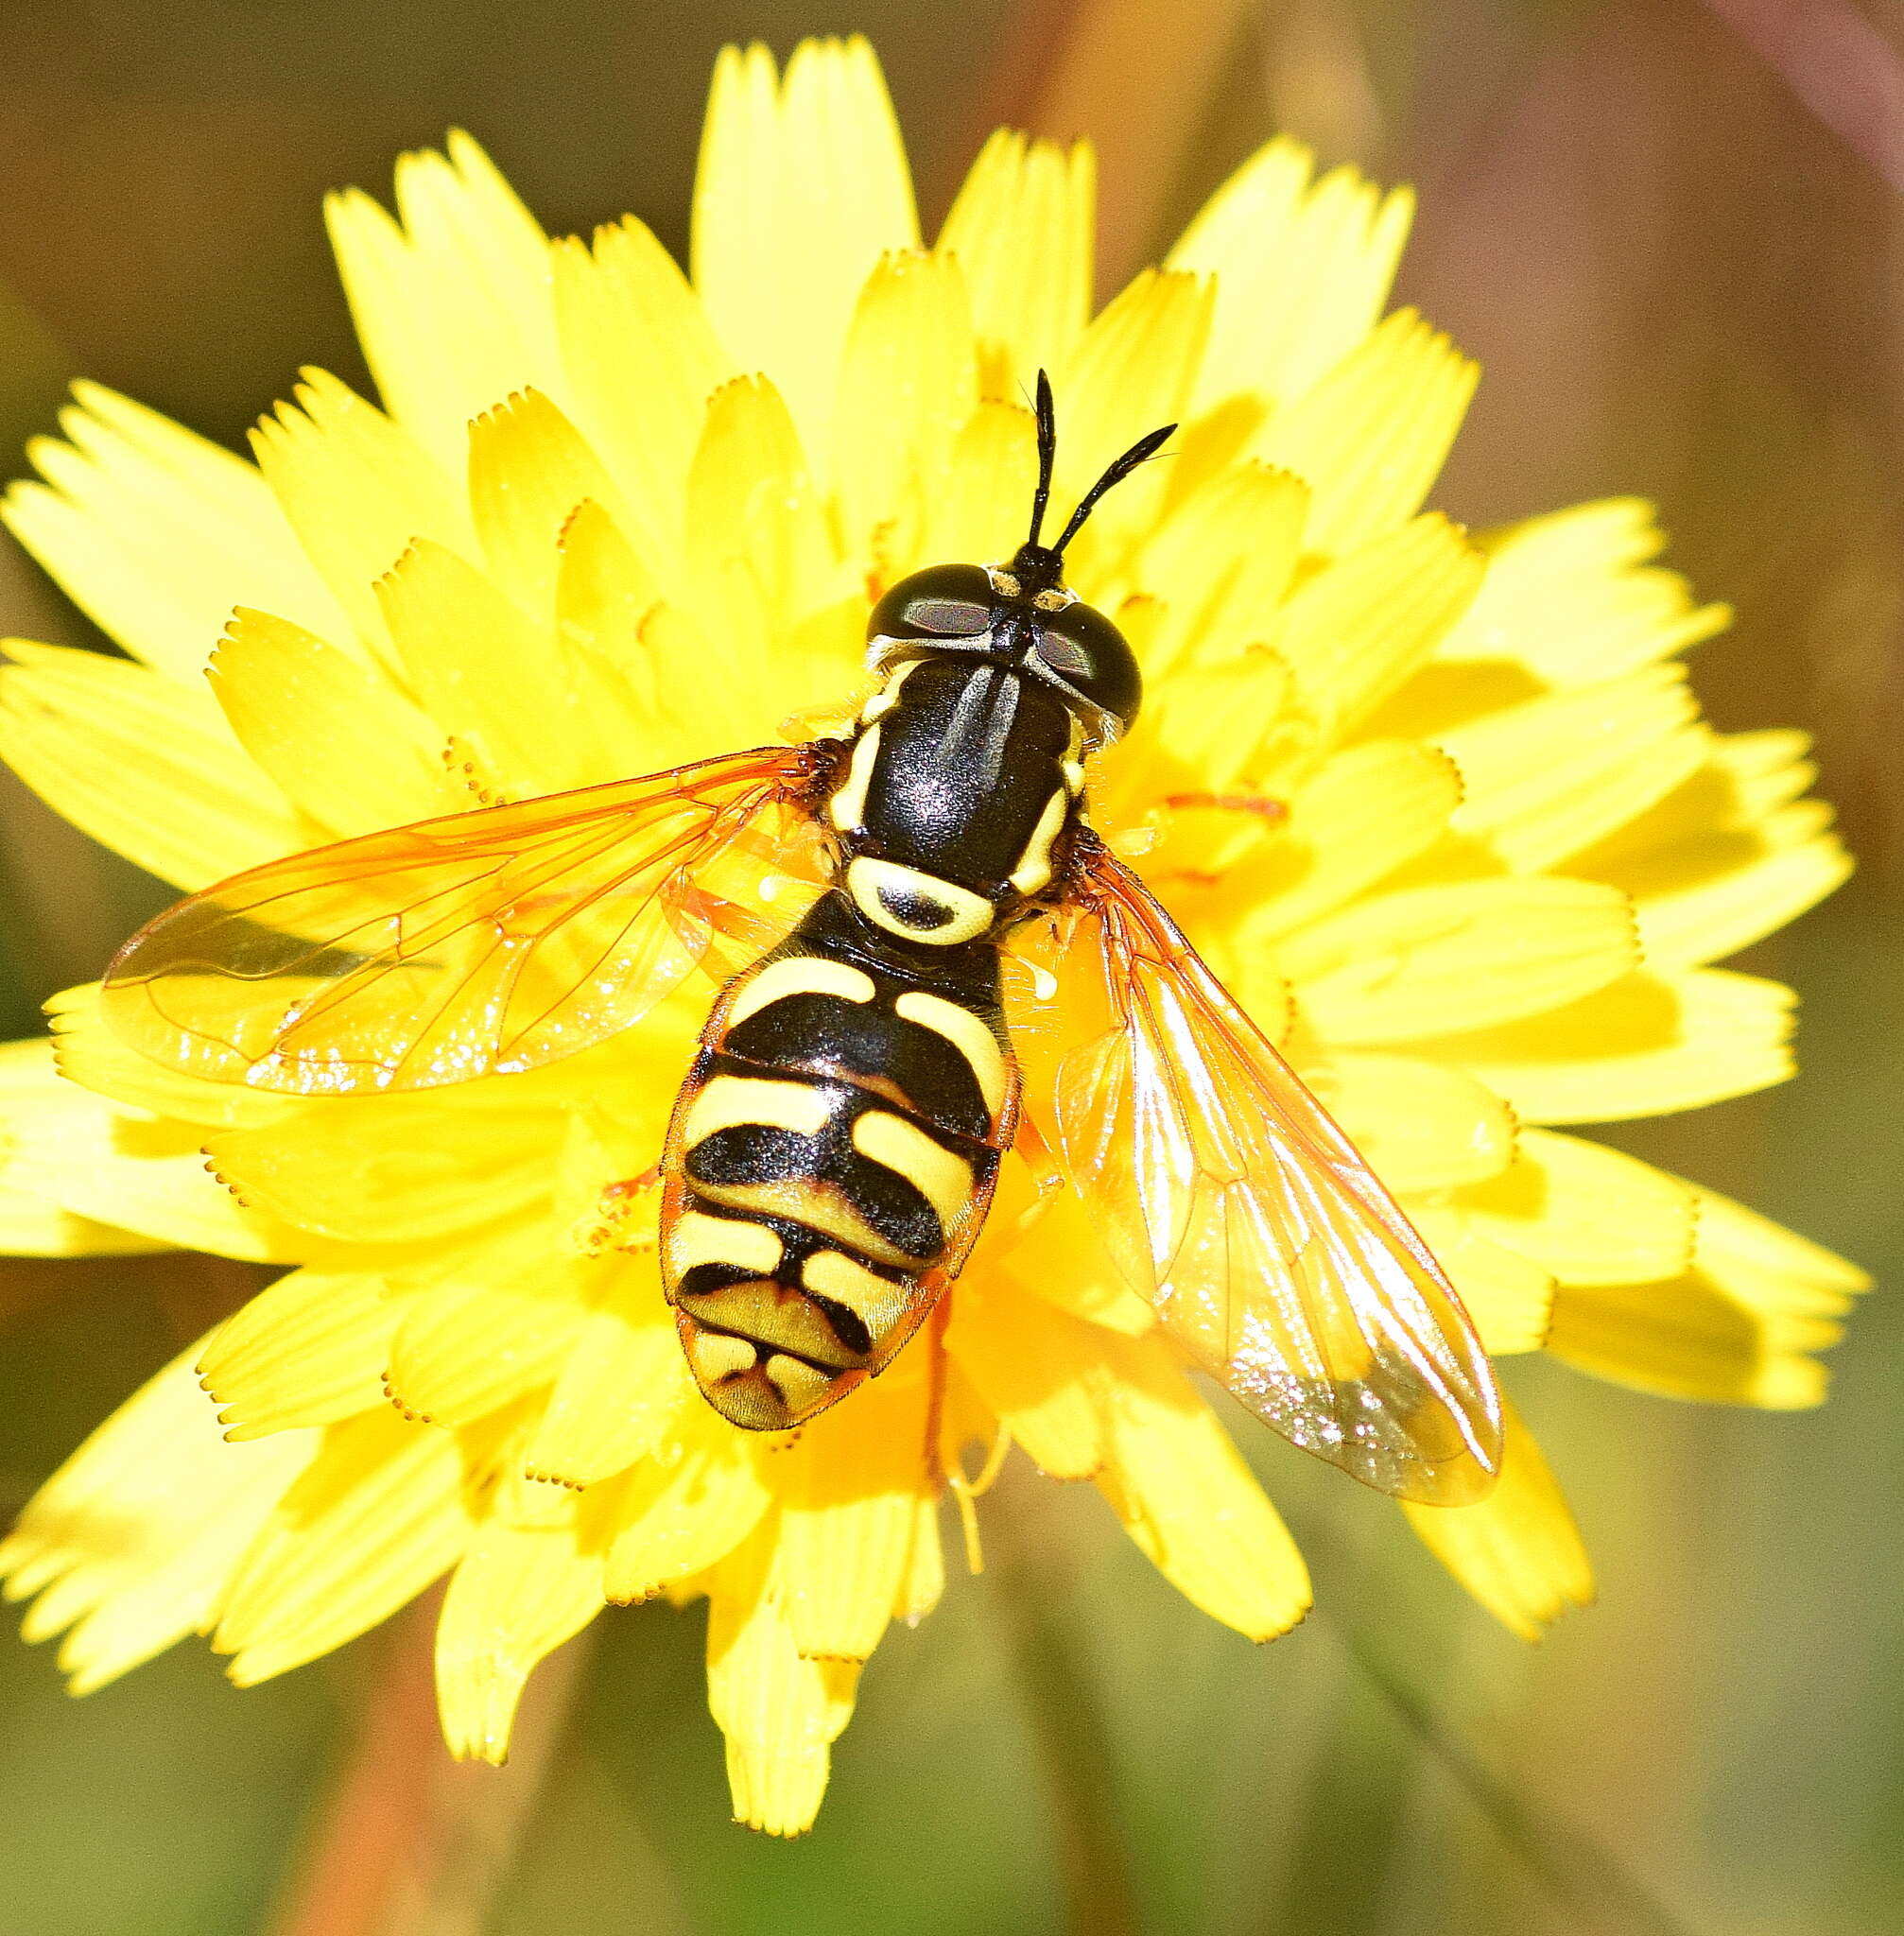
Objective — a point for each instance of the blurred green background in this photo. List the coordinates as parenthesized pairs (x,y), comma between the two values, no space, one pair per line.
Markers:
(1683,268)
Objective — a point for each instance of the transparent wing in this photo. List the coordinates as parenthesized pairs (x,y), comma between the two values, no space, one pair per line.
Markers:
(1237,1206)
(484,943)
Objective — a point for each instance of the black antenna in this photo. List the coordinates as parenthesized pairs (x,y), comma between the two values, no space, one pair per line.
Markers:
(1037,569)
(1140,451)
(1047,454)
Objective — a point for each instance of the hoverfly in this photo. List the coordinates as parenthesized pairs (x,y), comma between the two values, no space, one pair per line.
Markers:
(836,1143)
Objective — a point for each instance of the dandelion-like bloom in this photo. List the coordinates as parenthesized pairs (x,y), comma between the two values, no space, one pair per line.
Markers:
(1438,807)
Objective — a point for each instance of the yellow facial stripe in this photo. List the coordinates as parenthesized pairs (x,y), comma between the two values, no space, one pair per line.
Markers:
(887,696)
(966,1033)
(942,1179)
(847,809)
(1033,871)
(696,1238)
(730,1100)
(800,974)
(1072,764)
(877,1302)
(887,895)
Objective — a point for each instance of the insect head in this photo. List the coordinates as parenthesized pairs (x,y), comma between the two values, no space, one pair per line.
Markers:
(1022,614)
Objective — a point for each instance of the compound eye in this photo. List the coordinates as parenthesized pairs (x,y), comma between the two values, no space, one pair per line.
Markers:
(1093,657)
(944,601)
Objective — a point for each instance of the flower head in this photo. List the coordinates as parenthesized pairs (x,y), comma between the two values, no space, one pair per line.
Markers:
(1438,807)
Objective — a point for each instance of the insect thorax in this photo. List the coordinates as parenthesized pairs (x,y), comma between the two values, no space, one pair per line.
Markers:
(962,780)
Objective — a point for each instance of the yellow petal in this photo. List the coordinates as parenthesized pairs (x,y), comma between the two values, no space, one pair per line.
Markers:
(393,1168)
(1761,773)
(849,1491)
(35,1227)
(1130,373)
(994,465)
(1707,897)
(156,534)
(87,1051)
(735,244)
(340,742)
(1099,1297)
(464,1348)
(453,307)
(621,1387)
(124,1166)
(643,360)
(142,763)
(923,1582)
(1507,1294)
(358,491)
(1395,964)
(1684,1340)
(756,542)
(517,1595)
(1041,1241)
(780,1710)
(1023,230)
(486,674)
(1645,1045)
(529,471)
(1588,1214)
(1207,729)
(376,1516)
(1221,565)
(1518,1552)
(1738,1328)
(309,1351)
(1189,1500)
(1745,801)
(1355,632)
(1421,1126)
(687,1509)
(802,188)
(1302,271)
(909,382)
(1038,1370)
(1370,437)
(131,1542)
(624,658)
(1571,597)
(1797,1290)
(1367,811)
(603,591)
(1754,1258)
(1544,780)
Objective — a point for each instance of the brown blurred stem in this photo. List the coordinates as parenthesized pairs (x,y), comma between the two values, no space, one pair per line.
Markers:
(1074,1747)
(409,1842)
(1134,76)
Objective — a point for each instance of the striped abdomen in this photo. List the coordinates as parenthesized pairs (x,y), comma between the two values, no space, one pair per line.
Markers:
(829,1165)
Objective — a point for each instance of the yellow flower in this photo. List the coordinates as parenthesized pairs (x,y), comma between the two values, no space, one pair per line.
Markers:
(1439,807)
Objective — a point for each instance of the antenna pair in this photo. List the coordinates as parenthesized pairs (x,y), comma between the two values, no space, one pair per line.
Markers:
(1140,451)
